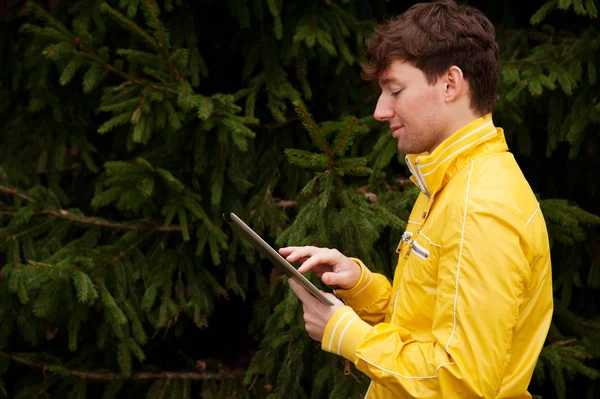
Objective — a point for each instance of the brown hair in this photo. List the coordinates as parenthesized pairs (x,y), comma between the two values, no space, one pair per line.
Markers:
(435,36)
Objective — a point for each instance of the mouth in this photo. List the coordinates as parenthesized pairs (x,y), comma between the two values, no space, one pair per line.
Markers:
(396,130)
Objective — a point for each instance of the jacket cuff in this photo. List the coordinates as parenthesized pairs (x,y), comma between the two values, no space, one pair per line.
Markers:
(365,288)
(343,333)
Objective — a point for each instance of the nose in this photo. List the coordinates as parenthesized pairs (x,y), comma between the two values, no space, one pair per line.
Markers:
(383,109)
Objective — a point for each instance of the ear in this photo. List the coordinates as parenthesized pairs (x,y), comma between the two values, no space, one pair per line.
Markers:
(455,85)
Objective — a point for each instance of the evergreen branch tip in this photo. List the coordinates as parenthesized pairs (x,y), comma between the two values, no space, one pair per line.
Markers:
(107,376)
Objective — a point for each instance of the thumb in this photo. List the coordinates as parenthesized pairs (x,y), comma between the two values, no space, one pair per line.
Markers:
(331,278)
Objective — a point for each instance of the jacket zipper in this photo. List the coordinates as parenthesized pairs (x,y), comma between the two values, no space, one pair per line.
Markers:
(405,238)
(416,248)
(417,175)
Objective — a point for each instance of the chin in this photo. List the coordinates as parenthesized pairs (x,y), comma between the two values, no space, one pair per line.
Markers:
(410,150)
(405,148)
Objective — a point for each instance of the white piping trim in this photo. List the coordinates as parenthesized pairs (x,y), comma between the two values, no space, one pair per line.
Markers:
(444,364)
(335,328)
(369,389)
(396,299)
(411,222)
(416,175)
(366,285)
(458,141)
(536,211)
(421,176)
(404,376)
(339,351)
(460,150)
(431,242)
(462,236)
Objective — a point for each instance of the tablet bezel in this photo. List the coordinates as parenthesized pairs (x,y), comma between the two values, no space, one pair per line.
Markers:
(283,265)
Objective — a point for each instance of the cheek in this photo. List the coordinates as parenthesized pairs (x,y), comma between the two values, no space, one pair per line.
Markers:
(423,102)
(436,101)
(429,96)
(418,105)
(426,109)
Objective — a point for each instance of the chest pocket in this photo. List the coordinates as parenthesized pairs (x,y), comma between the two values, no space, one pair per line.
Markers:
(411,244)
(422,258)
(419,251)
(415,285)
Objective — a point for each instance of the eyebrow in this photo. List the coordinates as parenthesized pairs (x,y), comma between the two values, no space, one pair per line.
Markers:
(388,81)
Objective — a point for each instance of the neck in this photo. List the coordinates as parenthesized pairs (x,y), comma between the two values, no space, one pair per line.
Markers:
(454,122)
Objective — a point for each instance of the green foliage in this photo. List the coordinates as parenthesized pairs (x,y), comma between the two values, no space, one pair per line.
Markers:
(567,221)
(113,388)
(335,217)
(131,126)
(562,360)
(555,59)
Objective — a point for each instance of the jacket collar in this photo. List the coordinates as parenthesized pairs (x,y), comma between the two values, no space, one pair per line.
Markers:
(431,172)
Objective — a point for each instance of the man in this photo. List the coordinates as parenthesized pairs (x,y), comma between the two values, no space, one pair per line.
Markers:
(471,300)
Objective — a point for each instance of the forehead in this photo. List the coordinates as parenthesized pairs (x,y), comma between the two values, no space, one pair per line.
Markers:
(400,72)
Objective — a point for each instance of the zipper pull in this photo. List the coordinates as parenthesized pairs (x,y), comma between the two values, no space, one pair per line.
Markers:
(347,367)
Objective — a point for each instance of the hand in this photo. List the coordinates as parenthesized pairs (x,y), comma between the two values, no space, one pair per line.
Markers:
(316,313)
(330,265)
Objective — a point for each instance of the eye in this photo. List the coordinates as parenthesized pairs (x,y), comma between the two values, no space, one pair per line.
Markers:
(395,93)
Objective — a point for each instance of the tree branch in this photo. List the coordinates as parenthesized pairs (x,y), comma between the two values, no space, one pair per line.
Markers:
(64,214)
(163,42)
(123,253)
(22,233)
(563,342)
(284,204)
(272,126)
(107,376)
(92,56)
(76,43)
(540,36)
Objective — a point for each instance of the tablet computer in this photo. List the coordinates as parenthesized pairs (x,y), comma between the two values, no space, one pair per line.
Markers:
(243,230)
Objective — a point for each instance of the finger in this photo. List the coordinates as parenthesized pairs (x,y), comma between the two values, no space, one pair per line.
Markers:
(318,270)
(331,278)
(287,250)
(306,316)
(302,252)
(305,296)
(333,299)
(322,258)
(293,285)
(301,260)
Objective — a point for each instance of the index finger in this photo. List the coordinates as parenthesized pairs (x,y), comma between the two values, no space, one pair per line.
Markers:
(296,253)
(285,251)
(323,258)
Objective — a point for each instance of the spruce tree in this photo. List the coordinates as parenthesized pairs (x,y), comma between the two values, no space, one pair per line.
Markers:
(129,127)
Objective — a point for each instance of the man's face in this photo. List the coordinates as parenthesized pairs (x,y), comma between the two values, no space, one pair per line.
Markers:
(414,109)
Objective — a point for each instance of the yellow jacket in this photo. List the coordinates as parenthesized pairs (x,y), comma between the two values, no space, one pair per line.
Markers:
(471,300)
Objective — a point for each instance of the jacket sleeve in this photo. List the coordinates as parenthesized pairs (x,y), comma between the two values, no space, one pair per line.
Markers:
(482,276)
(369,297)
